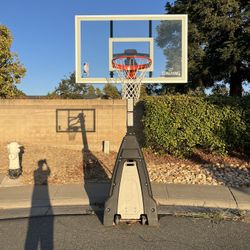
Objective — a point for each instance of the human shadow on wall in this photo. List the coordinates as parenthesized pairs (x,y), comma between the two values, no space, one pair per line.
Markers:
(93,171)
(40,232)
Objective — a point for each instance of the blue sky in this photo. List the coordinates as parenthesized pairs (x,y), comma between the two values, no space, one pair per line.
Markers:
(43,32)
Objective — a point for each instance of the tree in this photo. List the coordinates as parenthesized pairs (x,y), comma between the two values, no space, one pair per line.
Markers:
(111,91)
(98,92)
(169,38)
(11,70)
(69,89)
(219,35)
(91,90)
(220,90)
(143,92)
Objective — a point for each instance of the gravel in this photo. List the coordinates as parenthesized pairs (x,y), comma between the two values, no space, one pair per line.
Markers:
(208,174)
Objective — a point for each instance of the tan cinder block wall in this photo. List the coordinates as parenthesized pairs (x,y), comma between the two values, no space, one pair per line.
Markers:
(34,121)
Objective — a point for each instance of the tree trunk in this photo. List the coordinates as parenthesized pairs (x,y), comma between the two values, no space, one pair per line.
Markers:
(235,85)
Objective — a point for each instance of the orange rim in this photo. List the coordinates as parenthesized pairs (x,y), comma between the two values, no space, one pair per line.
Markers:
(131,67)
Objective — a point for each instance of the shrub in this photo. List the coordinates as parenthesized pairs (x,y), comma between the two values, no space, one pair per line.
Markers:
(178,124)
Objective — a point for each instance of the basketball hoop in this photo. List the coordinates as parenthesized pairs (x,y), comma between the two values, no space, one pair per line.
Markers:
(131,68)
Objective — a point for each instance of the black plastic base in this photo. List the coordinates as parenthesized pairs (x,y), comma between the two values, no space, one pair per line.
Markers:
(130,151)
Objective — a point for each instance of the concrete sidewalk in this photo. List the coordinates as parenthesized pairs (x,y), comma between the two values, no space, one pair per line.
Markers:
(17,200)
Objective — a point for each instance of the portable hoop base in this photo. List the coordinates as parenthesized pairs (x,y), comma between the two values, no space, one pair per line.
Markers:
(130,195)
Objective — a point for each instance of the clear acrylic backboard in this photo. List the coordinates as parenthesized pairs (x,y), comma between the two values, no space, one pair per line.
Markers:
(99,38)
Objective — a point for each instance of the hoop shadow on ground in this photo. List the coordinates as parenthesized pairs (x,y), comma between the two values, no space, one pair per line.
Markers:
(40,232)
(92,167)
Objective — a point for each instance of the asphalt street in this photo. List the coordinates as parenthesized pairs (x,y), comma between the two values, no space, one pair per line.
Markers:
(86,232)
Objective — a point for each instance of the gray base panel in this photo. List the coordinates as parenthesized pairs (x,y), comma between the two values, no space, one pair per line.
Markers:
(130,152)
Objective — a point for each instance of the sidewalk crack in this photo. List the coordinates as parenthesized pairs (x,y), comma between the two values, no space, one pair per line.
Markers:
(233,197)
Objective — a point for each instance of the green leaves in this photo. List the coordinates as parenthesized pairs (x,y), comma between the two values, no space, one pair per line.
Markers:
(11,70)
(178,124)
(111,91)
(69,89)
(218,41)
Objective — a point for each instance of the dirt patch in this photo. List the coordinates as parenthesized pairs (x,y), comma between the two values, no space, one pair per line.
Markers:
(76,166)
(65,165)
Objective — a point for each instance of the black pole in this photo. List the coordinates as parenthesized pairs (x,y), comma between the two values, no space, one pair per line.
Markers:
(111,28)
(150,28)
(150,35)
(111,73)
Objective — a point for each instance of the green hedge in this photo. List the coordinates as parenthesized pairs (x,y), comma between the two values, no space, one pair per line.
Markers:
(178,124)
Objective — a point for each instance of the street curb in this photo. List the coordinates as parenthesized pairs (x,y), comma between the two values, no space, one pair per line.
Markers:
(162,210)
(19,213)
(194,210)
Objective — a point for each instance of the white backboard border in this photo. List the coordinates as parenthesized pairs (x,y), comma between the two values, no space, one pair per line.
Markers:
(172,17)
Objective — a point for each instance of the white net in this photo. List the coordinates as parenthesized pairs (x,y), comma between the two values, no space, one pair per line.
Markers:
(131,75)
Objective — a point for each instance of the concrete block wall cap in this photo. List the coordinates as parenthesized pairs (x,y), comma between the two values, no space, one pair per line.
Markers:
(62,101)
